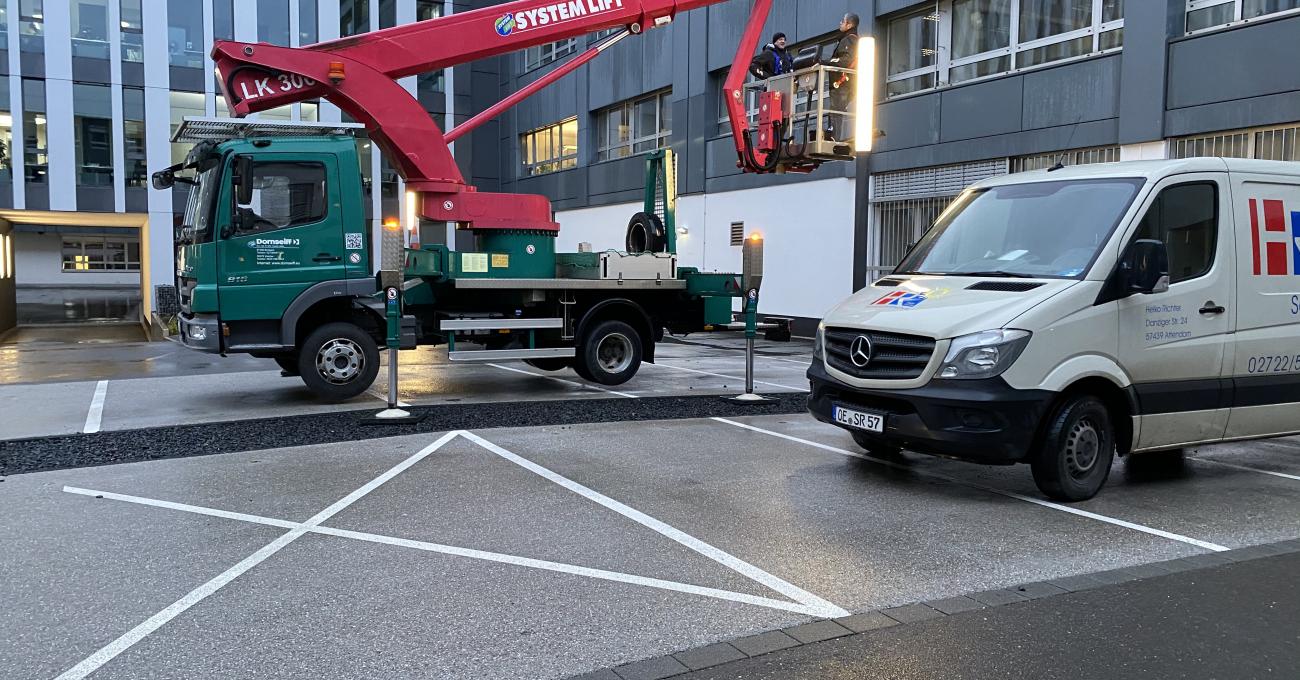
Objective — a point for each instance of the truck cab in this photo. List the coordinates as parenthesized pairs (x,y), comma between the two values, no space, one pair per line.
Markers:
(1059,318)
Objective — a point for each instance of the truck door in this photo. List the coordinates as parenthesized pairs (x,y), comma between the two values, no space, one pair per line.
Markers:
(288,238)
(1173,343)
(1266,365)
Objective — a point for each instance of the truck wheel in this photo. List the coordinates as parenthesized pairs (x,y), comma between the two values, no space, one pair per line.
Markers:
(550,364)
(877,449)
(1074,458)
(610,353)
(287,363)
(338,361)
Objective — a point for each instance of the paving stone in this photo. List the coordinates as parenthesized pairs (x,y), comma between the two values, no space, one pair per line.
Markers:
(817,631)
(955,605)
(861,623)
(707,657)
(994,598)
(912,613)
(763,643)
(651,669)
(1076,583)
(1033,591)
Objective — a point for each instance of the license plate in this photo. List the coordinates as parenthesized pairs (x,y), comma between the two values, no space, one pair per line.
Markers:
(871,422)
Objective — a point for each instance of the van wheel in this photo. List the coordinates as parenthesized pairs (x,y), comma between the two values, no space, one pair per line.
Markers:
(1074,458)
(877,449)
(549,364)
(610,353)
(287,363)
(338,361)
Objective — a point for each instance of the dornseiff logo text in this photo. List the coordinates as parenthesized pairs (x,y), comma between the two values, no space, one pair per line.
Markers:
(554,13)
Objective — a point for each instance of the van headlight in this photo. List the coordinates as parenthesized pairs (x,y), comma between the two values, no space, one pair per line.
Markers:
(983,355)
(818,341)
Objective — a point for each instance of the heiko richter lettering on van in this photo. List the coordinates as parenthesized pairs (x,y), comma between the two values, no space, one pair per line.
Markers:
(553,13)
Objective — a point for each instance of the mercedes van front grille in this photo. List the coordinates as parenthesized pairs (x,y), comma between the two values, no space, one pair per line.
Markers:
(1005,286)
(889,356)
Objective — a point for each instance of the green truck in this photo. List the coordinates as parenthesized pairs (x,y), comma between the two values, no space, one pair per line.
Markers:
(274,259)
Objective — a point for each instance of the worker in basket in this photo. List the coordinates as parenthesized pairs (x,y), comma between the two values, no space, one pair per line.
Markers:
(774,60)
(838,126)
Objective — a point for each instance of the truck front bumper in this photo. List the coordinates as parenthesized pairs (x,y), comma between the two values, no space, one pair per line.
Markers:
(200,331)
(983,421)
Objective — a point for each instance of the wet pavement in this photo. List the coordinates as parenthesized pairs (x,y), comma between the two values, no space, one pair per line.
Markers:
(77,305)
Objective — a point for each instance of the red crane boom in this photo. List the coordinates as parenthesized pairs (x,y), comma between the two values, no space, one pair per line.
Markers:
(359,75)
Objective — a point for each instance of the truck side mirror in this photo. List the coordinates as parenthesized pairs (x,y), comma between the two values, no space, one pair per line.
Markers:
(242,179)
(163,179)
(1146,267)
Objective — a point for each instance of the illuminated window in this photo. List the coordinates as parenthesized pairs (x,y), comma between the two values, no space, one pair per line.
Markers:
(132,25)
(100,254)
(550,149)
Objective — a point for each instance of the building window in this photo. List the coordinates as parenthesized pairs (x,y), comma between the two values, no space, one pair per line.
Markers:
(36,158)
(354,17)
(307,22)
(541,55)
(31,25)
(387,14)
(1277,143)
(284,195)
(1206,14)
(100,253)
(273,21)
(90,28)
(92,107)
(954,41)
(550,149)
(133,137)
(6,137)
(1098,154)
(132,24)
(185,33)
(184,105)
(634,127)
(223,19)
(604,33)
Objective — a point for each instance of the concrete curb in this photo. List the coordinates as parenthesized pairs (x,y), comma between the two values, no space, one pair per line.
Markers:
(709,656)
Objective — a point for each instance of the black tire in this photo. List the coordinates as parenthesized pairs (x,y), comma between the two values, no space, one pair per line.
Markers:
(550,364)
(646,234)
(287,363)
(610,353)
(338,361)
(1074,458)
(875,448)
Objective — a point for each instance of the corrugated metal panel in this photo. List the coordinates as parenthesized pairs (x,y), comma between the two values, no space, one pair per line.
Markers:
(1098,154)
(944,180)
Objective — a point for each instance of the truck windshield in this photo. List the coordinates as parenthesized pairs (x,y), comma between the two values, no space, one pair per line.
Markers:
(1038,230)
(198,211)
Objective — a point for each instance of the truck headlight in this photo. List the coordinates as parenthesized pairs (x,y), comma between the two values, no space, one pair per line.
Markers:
(983,355)
(818,340)
(198,333)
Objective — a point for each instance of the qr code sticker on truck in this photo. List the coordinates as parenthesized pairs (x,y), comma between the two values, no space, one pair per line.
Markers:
(353,241)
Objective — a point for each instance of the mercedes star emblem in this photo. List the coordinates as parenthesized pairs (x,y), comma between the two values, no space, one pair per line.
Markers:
(860,351)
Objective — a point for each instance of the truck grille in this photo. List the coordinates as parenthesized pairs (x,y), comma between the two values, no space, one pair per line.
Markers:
(894,356)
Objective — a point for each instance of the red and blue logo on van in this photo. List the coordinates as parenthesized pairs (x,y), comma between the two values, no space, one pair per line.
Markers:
(901,298)
(1276,249)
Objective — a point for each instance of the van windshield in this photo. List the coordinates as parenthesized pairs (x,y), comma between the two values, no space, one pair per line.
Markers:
(1038,230)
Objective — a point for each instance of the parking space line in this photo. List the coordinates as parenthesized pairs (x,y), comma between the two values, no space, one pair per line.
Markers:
(570,383)
(823,607)
(107,653)
(1283,475)
(1009,494)
(96,413)
(730,377)
(471,553)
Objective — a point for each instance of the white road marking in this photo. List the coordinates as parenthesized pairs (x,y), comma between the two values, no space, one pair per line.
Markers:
(802,362)
(96,412)
(823,607)
(570,383)
(730,377)
(471,553)
(1283,475)
(1009,494)
(107,653)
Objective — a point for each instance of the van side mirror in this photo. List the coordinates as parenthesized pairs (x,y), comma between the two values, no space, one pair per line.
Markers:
(242,179)
(1146,267)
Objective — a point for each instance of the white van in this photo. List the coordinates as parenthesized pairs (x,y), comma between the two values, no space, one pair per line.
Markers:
(1057,318)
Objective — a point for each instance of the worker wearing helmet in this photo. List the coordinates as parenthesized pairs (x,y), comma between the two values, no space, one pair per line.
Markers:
(774,60)
(841,83)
